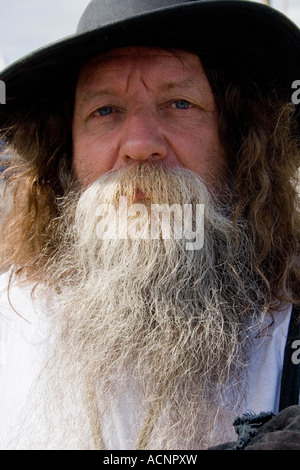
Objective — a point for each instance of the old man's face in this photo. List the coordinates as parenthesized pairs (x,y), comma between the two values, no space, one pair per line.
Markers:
(145,104)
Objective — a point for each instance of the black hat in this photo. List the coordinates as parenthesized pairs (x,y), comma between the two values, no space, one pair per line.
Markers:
(252,39)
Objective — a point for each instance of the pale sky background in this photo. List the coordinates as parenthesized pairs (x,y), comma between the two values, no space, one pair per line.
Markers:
(26,25)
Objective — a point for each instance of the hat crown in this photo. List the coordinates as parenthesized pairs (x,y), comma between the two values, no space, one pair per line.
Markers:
(101,12)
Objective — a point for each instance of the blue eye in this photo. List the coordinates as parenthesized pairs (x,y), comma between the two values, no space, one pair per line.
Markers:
(105,111)
(182,104)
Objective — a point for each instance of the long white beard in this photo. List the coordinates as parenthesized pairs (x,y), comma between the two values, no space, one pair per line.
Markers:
(151,315)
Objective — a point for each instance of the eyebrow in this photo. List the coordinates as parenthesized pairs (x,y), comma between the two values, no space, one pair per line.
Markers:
(180,84)
(89,95)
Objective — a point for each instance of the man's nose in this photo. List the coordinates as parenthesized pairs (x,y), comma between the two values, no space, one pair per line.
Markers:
(142,138)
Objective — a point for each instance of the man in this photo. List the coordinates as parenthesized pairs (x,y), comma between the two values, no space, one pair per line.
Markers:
(150,256)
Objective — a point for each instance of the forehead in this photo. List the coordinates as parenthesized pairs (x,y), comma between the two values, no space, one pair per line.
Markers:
(155,63)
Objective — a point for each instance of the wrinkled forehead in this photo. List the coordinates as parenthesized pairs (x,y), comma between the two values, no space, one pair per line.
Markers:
(143,52)
(155,63)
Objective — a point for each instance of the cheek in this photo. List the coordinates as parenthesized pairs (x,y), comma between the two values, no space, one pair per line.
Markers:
(91,158)
(201,152)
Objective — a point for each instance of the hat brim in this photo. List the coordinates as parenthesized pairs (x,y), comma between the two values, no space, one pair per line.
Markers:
(254,40)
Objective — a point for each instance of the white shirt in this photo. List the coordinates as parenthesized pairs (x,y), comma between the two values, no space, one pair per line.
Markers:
(23,327)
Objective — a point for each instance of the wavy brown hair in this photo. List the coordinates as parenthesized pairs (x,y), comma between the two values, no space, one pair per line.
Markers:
(258,130)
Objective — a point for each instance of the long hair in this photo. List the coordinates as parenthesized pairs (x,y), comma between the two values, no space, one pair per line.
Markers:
(259,134)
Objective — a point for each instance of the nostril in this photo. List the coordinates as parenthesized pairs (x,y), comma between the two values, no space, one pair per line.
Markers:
(143,151)
(126,158)
(155,156)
